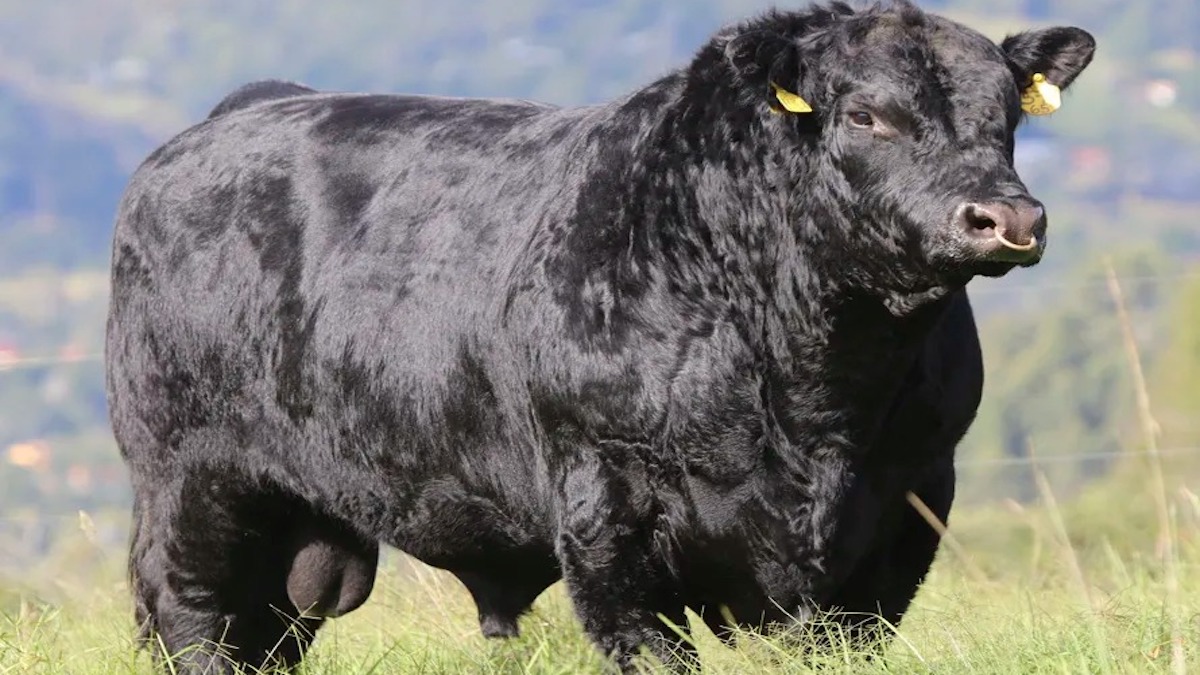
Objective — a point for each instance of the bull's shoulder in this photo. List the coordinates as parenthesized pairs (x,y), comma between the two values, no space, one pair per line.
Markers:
(257,92)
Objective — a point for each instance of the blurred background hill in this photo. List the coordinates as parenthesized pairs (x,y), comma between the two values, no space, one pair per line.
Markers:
(89,87)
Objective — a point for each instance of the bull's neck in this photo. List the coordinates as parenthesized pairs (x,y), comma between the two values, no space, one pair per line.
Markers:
(816,317)
(830,365)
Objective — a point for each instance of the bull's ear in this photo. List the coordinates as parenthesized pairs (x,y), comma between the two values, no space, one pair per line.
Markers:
(768,63)
(1058,54)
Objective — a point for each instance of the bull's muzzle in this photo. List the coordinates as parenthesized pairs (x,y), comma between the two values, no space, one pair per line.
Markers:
(1002,231)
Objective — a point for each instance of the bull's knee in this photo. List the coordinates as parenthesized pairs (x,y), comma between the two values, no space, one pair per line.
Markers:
(332,570)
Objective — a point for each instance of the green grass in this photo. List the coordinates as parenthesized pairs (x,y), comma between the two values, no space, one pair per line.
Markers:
(1016,605)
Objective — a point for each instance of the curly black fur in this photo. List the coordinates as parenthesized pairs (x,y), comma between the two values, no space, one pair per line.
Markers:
(679,349)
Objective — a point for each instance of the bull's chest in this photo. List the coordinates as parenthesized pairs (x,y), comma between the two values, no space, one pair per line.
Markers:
(789,545)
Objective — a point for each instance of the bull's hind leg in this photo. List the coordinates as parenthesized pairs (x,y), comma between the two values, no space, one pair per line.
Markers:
(219,564)
(208,576)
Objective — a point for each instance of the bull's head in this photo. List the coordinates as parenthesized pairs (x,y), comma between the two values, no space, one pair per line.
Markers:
(908,120)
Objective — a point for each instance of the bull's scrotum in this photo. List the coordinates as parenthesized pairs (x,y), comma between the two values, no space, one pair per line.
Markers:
(1041,97)
(790,102)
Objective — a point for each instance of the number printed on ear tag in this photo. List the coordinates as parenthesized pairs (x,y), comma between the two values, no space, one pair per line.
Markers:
(1041,97)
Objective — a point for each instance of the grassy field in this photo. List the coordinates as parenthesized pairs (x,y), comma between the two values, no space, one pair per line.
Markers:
(1089,587)
(1106,583)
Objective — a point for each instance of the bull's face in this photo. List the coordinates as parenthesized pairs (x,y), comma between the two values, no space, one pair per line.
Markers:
(910,119)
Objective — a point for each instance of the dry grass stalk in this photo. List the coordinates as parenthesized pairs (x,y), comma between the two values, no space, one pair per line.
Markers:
(1150,431)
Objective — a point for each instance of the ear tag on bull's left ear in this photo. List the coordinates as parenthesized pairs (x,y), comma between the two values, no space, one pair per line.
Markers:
(790,102)
(1041,97)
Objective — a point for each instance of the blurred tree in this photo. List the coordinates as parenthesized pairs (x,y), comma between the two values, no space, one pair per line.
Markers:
(87,88)
(1177,375)
(1056,378)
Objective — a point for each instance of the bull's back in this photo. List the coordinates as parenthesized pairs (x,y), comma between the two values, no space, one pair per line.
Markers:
(343,173)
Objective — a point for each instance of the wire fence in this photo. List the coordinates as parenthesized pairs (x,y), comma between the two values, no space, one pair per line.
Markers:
(992,287)
(997,286)
(959,464)
(29,536)
(27,363)
(1072,457)
(37,521)
(35,362)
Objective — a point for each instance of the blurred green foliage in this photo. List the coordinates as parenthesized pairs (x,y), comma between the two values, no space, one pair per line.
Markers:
(88,87)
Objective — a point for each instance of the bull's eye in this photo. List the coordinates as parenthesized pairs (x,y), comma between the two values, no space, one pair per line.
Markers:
(862,119)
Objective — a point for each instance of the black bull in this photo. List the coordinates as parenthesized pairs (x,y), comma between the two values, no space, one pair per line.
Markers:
(684,349)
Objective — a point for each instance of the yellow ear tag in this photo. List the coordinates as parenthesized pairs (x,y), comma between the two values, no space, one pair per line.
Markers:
(1041,97)
(790,102)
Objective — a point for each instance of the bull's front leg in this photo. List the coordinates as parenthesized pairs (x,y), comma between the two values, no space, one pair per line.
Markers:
(885,579)
(804,551)
(615,563)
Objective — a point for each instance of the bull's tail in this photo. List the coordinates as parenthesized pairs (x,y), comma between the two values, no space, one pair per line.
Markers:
(257,92)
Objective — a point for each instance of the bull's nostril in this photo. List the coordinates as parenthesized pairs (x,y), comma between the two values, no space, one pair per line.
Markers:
(978,220)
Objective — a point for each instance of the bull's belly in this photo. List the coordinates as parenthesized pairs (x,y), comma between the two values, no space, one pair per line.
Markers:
(428,507)
(496,549)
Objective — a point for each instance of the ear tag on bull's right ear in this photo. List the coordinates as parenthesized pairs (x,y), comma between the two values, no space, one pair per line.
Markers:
(789,101)
(1041,97)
